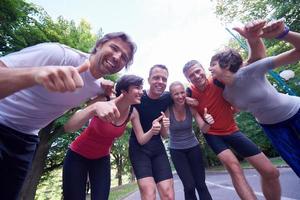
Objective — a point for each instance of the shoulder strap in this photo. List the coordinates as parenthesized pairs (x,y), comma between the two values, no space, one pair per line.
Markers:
(188,92)
(219,83)
(129,113)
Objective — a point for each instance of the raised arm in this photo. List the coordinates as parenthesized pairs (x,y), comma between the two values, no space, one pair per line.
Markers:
(278,30)
(142,137)
(59,79)
(252,33)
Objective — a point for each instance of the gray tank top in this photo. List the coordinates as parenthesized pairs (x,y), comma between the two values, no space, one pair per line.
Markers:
(181,132)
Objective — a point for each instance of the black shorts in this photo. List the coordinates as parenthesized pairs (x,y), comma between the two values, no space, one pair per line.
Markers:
(150,164)
(237,141)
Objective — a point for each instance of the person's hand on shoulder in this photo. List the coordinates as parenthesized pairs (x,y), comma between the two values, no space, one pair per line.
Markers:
(108,87)
(191,101)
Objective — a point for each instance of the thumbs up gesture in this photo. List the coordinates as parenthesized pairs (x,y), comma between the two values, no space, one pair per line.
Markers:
(60,78)
(165,121)
(207,117)
(155,129)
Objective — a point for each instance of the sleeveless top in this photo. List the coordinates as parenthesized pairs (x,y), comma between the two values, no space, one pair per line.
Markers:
(181,132)
(97,139)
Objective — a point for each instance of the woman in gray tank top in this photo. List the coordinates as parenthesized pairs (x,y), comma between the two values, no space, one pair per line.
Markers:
(184,147)
(248,89)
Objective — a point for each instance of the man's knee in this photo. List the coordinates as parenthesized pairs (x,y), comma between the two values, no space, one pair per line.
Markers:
(168,194)
(167,191)
(231,163)
(271,173)
(148,190)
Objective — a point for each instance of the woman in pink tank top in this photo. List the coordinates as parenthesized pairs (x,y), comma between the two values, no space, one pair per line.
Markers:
(88,155)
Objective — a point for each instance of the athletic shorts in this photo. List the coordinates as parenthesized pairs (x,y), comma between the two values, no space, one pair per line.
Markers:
(150,164)
(285,137)
(237,141)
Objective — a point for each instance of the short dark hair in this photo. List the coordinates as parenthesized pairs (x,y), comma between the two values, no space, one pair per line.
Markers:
(125,81)
(189,64)
(158,66)
(123,36)
(228,58)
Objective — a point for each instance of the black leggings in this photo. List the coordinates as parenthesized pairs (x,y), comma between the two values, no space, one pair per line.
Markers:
(190,169)
(16,154)
(75,171)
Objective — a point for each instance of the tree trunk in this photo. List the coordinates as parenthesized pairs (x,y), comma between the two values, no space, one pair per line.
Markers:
(119,171)
(132,175)
(32,180)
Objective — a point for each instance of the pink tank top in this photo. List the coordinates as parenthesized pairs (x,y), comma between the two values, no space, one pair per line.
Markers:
(97,139)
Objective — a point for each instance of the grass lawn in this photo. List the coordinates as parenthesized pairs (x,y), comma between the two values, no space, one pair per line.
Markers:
(51,189)
(277,161)
(120,192)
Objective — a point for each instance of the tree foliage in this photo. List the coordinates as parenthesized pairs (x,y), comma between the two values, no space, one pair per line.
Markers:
(248,10)
(15,15)
(120,156)
(252,129)
(24,24)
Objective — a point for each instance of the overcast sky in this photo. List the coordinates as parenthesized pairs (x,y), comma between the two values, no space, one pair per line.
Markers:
(169,32)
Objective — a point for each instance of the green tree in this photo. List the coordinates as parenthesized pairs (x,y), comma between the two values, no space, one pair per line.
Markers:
(53,140)
(209,157)
(249,10)
(120,156)
(252,129)
(15,15)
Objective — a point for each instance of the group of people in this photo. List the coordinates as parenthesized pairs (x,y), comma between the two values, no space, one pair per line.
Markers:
(40,83)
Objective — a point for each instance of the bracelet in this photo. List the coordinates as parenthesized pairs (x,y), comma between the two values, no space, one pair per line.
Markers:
(284,33)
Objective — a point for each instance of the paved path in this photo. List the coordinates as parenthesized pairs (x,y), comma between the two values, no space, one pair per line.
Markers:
(220,186)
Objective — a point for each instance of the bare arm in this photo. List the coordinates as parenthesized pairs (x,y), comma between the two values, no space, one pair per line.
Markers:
(79,119)
(13,80)
(276,28)
(252,32)
(64,78)
(200,122)
(142,137)
(203,125)
(105,110)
